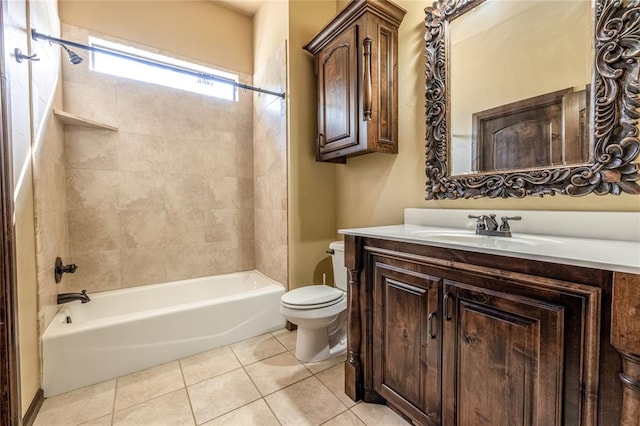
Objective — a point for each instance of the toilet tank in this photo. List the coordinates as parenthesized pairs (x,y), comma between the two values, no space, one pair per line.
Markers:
(337,259)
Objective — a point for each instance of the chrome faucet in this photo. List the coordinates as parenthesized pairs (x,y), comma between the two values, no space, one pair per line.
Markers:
(487,225)
(69,297)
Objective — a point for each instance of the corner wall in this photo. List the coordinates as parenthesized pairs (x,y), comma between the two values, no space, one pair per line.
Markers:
(312,185)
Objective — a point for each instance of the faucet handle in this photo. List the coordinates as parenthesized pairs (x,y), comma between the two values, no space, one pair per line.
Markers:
(504,226)
(479,221)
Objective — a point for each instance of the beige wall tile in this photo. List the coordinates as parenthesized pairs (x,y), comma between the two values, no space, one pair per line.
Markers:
(91,230)
(90,148)
(221,193)
(187,261)
(184,191)
(95,103)
(183,115)
(185,226)
(141,190)
(140,153)
(180,181)
(97,271)
(144,266)
(184,156)
(92,189)
(142,228)
(222,257)
(222,225)
(140,108)
(220,158)
(246,255)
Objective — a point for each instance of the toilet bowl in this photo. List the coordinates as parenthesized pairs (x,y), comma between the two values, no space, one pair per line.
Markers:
(319,311)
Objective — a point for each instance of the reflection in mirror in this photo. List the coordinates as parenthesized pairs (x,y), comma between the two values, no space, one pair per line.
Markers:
(563,118)
(519,72)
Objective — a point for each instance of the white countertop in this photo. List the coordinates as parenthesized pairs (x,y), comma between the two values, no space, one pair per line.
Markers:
(610,255)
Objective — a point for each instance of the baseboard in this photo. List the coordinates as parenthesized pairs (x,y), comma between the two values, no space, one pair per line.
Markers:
(34,408)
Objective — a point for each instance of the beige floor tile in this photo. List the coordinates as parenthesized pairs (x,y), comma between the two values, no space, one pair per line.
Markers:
(333,378)
(143,385)
(317,367)
(257,413)
(75,407)
(276,372)
(102,421)
(345,419)
(376,414)
(256,349)
(221,395)
(167,410)
(206,365)
(308,402)
(287,338)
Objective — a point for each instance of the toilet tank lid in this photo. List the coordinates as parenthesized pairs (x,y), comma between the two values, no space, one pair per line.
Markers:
(337,245)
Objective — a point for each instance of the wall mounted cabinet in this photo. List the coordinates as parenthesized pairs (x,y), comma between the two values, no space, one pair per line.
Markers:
(356,61)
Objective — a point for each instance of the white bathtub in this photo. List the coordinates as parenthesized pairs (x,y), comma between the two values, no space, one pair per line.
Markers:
(122,331)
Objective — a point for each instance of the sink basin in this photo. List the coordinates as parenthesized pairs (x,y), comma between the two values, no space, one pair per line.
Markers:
(466,237)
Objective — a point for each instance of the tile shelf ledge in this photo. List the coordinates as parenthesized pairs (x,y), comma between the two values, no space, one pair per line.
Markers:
(69,119)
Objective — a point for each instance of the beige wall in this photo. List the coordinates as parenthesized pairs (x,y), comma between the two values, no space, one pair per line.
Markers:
(215,35)
(166,197)
(312,195)
(374,189)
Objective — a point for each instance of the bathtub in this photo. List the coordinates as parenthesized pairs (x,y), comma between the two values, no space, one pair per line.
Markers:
(127,330)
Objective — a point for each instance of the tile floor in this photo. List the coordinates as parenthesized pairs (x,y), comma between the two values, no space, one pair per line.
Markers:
(254,382)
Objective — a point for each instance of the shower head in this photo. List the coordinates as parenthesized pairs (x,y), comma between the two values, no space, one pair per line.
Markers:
(74,58)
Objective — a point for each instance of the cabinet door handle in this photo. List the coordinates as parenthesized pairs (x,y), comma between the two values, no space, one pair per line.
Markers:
(432,315)
(321,140)
(445,310)
(366,80)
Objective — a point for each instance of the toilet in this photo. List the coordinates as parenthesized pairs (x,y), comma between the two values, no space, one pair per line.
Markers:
(320,313)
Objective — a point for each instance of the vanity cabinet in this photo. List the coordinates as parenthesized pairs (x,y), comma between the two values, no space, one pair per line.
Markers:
(356,62)
(450,337)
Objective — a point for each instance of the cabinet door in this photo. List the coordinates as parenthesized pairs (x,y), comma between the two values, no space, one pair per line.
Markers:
(337,101)
(406,341)
(502,358)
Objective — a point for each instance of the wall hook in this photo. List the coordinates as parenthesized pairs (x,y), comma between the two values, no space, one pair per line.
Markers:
(21,56)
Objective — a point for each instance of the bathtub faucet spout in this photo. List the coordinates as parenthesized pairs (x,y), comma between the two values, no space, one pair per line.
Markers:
(69,297)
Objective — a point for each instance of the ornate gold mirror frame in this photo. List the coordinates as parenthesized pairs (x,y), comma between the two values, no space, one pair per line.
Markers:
(616,100)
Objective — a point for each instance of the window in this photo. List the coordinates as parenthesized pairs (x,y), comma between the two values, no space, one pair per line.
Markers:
(196,83)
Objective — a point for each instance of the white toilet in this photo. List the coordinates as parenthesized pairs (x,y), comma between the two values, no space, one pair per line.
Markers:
(319,311)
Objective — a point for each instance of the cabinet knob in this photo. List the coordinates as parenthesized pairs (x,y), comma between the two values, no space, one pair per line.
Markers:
(321,140)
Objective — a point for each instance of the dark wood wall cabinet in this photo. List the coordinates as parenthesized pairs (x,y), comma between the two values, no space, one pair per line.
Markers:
(356,60)
(455,337)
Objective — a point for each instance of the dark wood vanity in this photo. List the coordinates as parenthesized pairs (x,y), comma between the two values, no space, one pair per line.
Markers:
(451,336)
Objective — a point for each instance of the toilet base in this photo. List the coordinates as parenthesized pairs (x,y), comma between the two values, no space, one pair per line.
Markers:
(312,345)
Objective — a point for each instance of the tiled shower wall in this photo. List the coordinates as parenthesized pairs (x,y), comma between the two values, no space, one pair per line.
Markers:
(270,168)
(169,195)
(50,201)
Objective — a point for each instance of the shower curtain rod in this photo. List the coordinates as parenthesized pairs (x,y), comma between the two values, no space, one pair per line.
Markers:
(39,36)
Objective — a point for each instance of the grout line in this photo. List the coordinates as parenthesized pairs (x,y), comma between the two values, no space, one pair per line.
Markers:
(113,406)
(186,389)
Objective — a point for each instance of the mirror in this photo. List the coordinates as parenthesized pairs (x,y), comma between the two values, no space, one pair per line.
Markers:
(531,98)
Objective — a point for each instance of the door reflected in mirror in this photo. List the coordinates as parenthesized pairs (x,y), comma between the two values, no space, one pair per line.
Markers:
(520,80)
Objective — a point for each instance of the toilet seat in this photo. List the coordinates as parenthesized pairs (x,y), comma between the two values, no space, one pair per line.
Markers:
(312,297)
